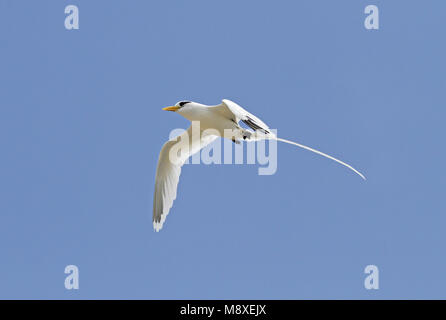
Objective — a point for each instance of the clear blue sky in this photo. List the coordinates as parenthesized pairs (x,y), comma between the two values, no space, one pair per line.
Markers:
(81,127)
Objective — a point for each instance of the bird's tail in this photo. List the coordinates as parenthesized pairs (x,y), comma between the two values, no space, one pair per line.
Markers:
(322,154)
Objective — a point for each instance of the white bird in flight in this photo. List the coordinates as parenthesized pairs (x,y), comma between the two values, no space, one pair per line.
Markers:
(225,116)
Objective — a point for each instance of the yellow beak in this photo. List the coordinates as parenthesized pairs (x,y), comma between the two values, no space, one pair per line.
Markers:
(173,108)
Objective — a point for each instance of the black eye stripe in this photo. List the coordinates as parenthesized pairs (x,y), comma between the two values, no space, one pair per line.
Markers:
(182,103)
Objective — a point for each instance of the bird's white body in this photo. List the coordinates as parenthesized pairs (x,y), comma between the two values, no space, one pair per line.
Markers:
(225,116)
(221,119)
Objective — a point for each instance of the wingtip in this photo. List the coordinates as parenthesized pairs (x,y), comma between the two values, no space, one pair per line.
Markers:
(157,226)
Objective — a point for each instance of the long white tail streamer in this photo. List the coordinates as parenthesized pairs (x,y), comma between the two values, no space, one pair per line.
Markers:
(322,154)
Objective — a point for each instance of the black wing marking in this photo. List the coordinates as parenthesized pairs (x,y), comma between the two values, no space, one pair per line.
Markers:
(253,125)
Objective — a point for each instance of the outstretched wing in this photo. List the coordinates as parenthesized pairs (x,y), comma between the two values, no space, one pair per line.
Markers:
(233,111)
(169,169)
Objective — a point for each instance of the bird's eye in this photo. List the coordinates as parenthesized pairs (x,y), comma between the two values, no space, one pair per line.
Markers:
(182,103)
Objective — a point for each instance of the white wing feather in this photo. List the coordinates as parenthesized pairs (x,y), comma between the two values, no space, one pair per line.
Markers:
(168,173)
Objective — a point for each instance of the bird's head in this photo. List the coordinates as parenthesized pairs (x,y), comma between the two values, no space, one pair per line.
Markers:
(179,106)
